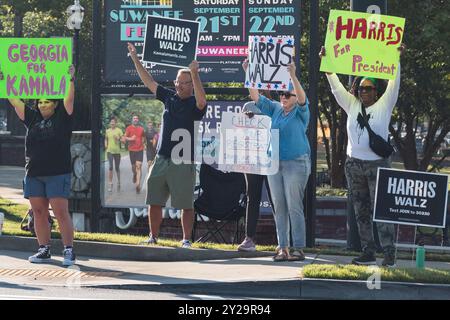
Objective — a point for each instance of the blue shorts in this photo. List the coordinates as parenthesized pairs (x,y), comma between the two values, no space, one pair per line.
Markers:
(47,186)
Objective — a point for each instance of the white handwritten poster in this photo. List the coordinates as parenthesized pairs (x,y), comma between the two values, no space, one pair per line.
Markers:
(268,60)
(248,145)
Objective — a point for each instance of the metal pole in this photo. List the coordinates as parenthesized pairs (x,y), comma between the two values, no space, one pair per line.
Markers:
(95,117)
(77,51)
(313,79)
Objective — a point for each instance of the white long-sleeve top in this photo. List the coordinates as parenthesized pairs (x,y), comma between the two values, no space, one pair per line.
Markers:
(379,116)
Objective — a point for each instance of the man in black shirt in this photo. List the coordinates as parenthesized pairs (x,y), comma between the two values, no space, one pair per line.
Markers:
(173,171)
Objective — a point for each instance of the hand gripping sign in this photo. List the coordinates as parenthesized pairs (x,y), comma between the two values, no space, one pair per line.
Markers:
(362,44)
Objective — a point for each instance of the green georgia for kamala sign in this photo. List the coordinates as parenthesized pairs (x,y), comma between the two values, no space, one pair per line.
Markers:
(35,67)
(362,44)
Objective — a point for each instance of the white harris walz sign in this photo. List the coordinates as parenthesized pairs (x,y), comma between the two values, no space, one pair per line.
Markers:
(268,60)
(248,145)
(171,42)
(411,198)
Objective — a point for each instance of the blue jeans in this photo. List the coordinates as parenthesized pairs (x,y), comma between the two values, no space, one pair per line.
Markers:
(288,188)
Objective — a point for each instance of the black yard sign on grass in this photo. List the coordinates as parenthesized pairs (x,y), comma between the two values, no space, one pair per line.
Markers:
(411,198)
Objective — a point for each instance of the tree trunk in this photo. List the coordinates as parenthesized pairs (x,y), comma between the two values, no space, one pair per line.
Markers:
(13,123)
(18,24)
(326,143)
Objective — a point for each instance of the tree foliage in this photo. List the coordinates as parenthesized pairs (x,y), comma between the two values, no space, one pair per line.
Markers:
(48,19)
(124,108)
(424,92)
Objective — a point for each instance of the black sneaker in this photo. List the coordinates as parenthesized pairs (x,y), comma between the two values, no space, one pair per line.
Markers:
(43,255)
(366,259)
(389,261)
(389,257)
(445,242)
(69,257)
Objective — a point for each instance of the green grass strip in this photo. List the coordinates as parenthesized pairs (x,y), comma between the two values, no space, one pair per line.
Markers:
(15,212)
(352,272)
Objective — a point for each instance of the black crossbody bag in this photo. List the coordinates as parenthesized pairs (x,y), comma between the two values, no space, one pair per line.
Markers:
(378,145)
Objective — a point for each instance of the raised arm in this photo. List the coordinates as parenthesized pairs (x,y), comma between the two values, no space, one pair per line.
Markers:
(301,95)
(199,91)
(390,96)
(146,78)
(254,93)
(19,105)
(343,97)
(70,97)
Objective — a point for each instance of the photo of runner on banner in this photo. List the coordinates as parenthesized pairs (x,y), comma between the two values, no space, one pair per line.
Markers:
(268,61)
(171,42)
(363,44)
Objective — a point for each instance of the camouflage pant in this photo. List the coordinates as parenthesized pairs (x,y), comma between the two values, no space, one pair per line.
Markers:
(361,179)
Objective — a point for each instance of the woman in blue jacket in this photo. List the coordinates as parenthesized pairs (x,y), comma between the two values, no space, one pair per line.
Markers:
(291,117)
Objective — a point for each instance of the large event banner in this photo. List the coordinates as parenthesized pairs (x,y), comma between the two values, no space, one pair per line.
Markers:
(411,197)
(35,68)
(170,42)
(268,60)
(248,145)
(225,26)
(147,108)
(363,44)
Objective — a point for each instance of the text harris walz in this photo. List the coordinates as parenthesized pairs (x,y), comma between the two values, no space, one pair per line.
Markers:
(408,192)
(363,28)
(171,37)
(267,56)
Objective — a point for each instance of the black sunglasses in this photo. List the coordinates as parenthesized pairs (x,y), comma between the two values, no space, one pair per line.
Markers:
(366,88)
(287,94)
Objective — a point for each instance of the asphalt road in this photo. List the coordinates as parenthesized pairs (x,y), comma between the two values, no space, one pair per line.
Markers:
(11,291)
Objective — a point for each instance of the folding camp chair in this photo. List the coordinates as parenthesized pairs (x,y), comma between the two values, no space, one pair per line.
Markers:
(222,198)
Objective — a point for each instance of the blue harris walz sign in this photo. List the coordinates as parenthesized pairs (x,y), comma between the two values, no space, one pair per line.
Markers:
(171,42)
(411,198)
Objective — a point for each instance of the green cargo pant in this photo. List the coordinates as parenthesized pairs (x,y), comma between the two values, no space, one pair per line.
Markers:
(361,180)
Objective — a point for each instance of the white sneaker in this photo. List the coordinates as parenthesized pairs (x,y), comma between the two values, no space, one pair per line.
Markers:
(150,241)
(69,257)
(247,245)
(186,244)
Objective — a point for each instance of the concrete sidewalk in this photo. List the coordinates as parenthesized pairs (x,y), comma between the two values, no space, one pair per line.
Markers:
(203,271)
(196,276)
(11,184)
(254,277)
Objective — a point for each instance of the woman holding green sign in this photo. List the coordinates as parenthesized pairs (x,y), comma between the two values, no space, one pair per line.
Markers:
(48,168)
(368,106)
